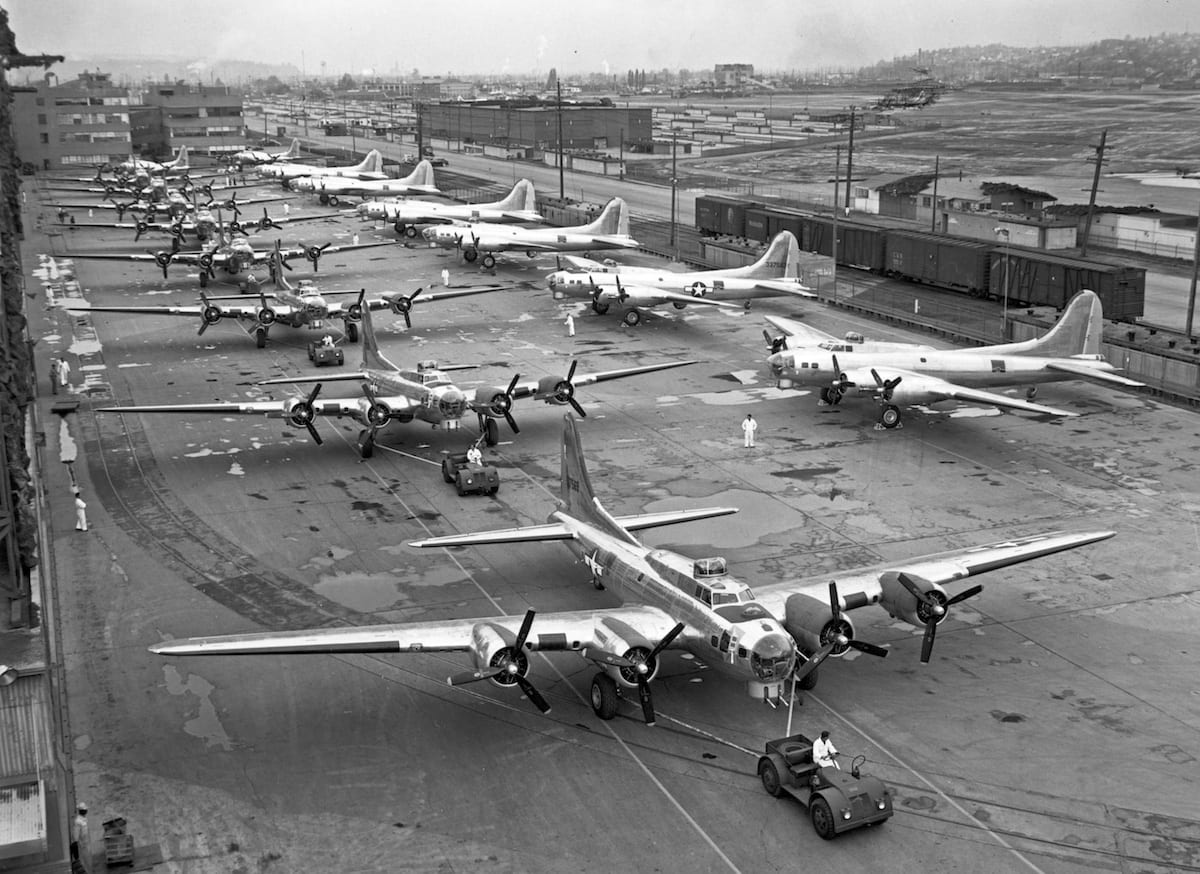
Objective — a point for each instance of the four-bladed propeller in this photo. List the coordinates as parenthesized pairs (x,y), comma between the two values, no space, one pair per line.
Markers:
(209,315)
(401,305)
(509,668)
(931,607)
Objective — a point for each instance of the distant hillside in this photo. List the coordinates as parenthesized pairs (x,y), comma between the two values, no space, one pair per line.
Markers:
(1165,60)
(133,70)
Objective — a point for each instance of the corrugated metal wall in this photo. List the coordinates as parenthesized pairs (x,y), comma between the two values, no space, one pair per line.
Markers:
(25,737)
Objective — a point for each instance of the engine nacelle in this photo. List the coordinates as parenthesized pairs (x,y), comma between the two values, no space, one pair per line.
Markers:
(900,603)
(492,646)
(493,400)
(812,624)
(910,390)
(300,412)
(617,637)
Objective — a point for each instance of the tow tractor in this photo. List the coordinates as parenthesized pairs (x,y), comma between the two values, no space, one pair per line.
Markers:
(837,800)
(470,476)
(324,353)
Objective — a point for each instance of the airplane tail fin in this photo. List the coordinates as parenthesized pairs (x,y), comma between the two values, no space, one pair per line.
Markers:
(520,198)
(577,498)
(293,150)
(181,160)
(422,174)
(782,258)
(1078,332)
(373,163)
(372,358)
(613,220)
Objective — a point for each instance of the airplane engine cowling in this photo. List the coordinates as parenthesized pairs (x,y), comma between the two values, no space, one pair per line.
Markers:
(493,400)
(492,646)
(547,386)
(629,644)
(300,413)
(900,603)
(910,390)
(812,624)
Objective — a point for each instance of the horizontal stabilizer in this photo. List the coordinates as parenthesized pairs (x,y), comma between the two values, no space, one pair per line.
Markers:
(1079,368)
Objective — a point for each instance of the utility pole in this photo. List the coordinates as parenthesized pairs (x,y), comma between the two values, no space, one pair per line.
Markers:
(933,212)
(674,187)
(836,173)
(562,189)
(849,159)
(1191,310)
(1099,159)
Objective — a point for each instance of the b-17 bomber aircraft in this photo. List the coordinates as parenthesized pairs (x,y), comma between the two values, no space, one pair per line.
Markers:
(205,226)
(255,157)
(331,189)
(609,231)
(520,205)
(897,374)
(762,636)
(391,394)
(232,258)
(301,307)
(370,167)
(777,272)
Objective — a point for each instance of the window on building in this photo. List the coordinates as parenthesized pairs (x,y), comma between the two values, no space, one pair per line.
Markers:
(42,118)
(926,201)
(45,139)
(40,101)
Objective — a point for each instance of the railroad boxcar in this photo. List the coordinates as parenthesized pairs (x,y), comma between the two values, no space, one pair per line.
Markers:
(1039,278)
(719,214)
(935,259)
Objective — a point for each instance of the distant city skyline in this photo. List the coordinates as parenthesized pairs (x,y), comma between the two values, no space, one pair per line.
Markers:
(529,37)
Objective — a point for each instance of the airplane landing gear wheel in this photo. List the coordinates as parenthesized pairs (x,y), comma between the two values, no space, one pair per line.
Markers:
(352,332)
(600,308)
(604,696)
(810,680)
(1031,392)
(260,338)
(324,198)
(632,318)
(489,261)
(889,417)
(470,255)
(491,432)
(410,231)
(203,278)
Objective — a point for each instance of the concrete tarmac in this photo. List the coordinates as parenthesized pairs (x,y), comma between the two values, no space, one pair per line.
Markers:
(1054,730)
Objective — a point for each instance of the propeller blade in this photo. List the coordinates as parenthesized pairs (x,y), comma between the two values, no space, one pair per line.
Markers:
(647,704)
(868,648)
(666,641)
(927,640)
(963,595)
(472,676)
(532,694)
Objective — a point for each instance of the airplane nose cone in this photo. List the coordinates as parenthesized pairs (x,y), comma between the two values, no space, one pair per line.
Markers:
(452,403)
(778,362)
(430,234)
(552,280)
(773,656)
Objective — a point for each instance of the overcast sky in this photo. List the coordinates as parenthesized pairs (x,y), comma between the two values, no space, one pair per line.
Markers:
(526,36)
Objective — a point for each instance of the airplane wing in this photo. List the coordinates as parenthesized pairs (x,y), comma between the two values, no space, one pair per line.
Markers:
(646,295)
(548,631)
(1082,370)
(548,387)
(808,335)
(559,531)
(921,384)
(283,409)
(870,585)
(192,311)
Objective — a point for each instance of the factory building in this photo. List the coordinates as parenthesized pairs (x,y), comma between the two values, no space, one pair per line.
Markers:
(80,123)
